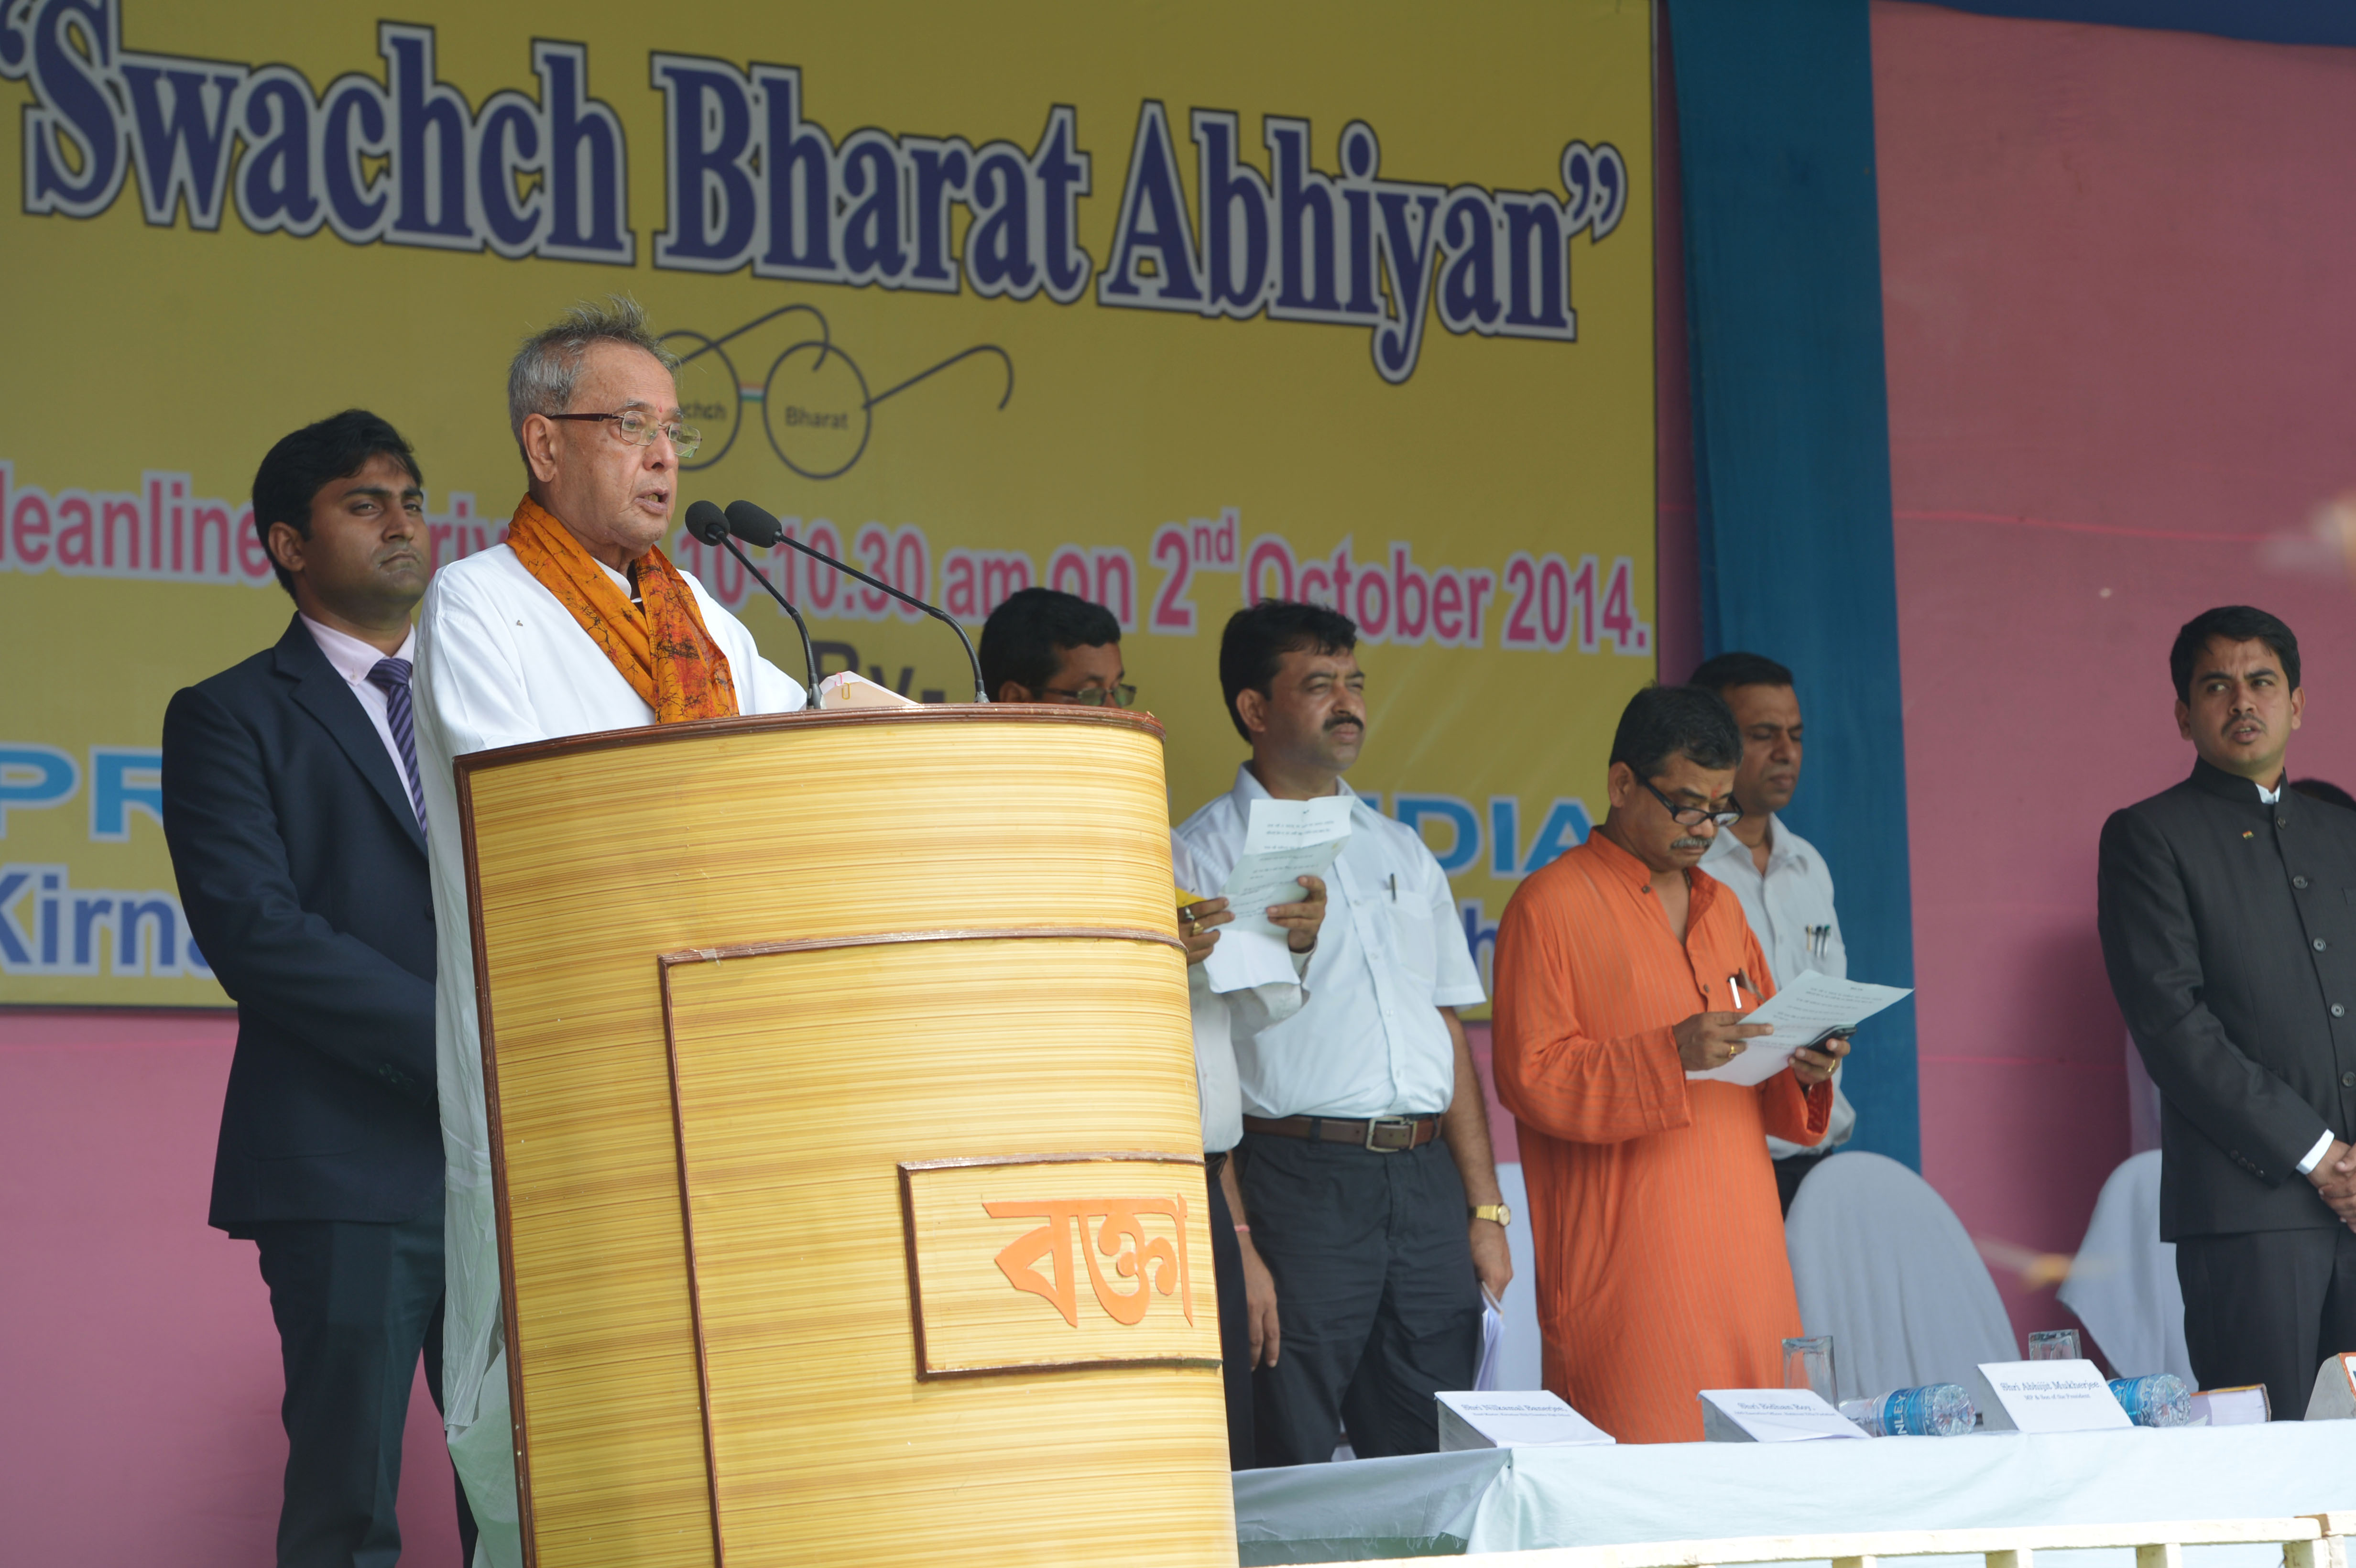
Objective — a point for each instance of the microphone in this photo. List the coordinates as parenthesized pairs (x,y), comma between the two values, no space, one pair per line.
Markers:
(707,522)
(754,526)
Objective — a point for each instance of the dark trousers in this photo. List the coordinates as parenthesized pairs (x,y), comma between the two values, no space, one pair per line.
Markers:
(2266,1306)
(356,1303)
(1374,1280)
(1235,1323)
(1792,1170)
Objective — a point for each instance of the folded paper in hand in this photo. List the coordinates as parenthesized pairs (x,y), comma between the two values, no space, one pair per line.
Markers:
(1804,1012)
(1285,840)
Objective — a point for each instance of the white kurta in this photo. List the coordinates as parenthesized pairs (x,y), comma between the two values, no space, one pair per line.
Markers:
(500,663)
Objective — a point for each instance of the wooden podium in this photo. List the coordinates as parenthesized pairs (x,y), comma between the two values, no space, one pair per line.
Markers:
(843,1114)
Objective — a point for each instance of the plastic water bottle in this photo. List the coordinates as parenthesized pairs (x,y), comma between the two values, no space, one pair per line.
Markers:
(2159,1400)
(1940,1410)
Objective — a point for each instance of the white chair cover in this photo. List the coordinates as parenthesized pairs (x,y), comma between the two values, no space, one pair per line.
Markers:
(2123,1285)
(1883,1265)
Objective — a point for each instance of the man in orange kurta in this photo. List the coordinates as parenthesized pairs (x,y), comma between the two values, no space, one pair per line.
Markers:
(1659,1241)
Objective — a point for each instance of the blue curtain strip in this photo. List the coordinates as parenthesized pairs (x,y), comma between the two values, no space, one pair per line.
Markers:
(1774,109)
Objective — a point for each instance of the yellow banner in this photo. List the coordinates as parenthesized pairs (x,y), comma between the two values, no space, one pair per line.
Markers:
(1172,309)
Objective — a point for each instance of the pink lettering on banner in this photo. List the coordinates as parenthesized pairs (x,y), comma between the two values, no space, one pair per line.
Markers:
(1114,571)
(1268,569)
(1393,598)
(161,531)
(1067,571)
(974,582)
(30,530)
(1173,607)
(1545,602)
(1546,596)
(825,592)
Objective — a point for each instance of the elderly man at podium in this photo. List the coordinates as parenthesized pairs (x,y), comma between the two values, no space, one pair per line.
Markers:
(577,623)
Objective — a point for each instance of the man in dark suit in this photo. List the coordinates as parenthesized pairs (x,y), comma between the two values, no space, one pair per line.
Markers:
(292,808)
(2228,918)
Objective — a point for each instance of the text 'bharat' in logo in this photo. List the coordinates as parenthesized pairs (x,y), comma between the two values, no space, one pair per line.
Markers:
(1155,1265)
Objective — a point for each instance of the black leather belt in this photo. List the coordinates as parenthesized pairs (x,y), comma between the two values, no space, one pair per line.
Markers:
(1383,1135)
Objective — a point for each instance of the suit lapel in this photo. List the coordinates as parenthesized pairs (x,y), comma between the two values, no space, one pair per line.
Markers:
(324,694)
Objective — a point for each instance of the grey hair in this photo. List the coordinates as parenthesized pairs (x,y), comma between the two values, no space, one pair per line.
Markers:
(546,369)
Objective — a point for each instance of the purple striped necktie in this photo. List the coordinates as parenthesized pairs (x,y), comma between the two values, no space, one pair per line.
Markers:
(391,677)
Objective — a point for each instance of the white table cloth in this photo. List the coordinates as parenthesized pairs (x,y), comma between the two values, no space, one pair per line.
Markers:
(1498,1500)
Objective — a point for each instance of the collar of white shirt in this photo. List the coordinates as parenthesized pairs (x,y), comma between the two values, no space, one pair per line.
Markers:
(352,658)
(2271,797)
(1248,788)
(621,581)
(1786,850)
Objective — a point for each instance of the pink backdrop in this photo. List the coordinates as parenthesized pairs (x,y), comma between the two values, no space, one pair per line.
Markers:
(141,1377)
(2121,344)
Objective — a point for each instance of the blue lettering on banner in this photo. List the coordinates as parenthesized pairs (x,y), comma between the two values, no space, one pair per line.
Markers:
(124,779)
(1567,824)
(1481,936)
(752,180)
(33,776)
(1463,851)
(201,136)
(50,928)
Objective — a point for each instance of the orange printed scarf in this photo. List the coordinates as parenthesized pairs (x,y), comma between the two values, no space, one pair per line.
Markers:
(665,653)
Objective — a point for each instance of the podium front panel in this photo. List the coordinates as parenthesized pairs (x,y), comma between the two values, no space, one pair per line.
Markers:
(824,1423)
(734,977)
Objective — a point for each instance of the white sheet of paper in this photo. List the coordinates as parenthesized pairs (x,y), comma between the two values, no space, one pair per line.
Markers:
(1493,1332)
(1772,1415)
(1812,1007)
(1507,1420)
(2046,1396)
(1241,959)
(1285,840)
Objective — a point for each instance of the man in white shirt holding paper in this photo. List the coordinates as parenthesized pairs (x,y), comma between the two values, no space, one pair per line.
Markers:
(578,622)
(1366,1158)
(1785,887)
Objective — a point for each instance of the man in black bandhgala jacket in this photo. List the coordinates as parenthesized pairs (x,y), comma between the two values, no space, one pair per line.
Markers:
(292,808)
(2228,916)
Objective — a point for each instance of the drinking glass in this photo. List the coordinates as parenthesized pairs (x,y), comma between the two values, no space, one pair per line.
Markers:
(2055,1345)
(1808,1364)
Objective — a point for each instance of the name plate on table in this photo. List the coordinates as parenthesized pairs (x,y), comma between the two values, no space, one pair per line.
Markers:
(2046,1396)
(1049,1263)
(1513,1421)
(1771,1415)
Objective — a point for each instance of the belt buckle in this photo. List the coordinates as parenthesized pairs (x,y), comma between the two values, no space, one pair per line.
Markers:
(1403,1126)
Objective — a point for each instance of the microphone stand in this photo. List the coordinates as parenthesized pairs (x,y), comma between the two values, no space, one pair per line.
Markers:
(754,526)
(713,529)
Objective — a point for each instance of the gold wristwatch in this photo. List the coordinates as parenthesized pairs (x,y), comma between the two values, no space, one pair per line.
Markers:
(1501,1213)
